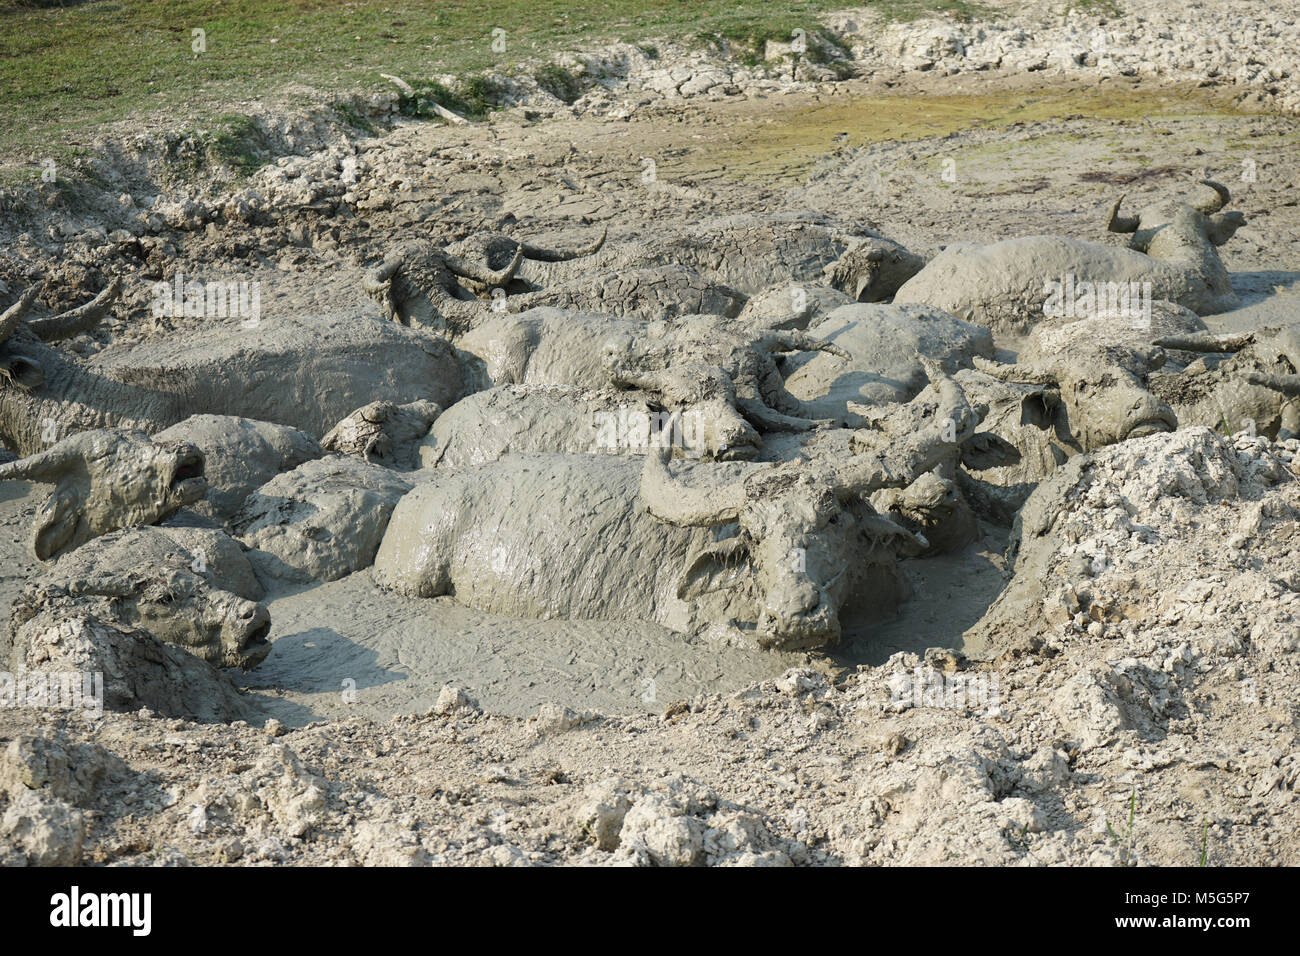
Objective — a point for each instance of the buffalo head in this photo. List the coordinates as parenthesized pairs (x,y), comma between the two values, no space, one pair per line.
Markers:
(107,479)
(1103,393)
(176,605)
(20,368)
(1168,230)
(872,270)
(704,398)
(807,544)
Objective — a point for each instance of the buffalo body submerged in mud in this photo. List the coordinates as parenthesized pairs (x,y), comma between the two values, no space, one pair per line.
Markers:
(786,551)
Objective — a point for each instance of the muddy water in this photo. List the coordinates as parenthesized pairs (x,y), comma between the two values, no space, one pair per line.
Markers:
(344,648)
(395,653)
(1029,161)
(783,141)
(18,502)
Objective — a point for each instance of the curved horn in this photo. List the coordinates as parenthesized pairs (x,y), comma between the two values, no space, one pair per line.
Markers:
(1222,198)
(952,423)
(793,340)
(1207,341)
(770,390)
(1015,372)
(45,466)
(16,312)
(1117,223)
(555,255)
(669,500)
(765,418)
(1286,384)
(380,278)
(78,320)
(378,283)
(472,270)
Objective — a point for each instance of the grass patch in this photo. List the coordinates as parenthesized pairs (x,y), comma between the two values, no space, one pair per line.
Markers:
(37,4)
(905,10)
(559,82)
(75,179)
(67,69)
(232,142)
(1110,8)
(239,143)
(352,116)
(747,42)
(474,98)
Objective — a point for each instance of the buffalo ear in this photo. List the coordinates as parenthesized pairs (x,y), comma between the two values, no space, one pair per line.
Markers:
(713,568)
(985,450)
(55,524)
(1038,408)
(24,372)
(1224,225)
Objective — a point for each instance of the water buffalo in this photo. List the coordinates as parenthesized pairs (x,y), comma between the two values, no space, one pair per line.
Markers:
(787,552)
(167,583)
(1173,255)
(304,372)
(107,479)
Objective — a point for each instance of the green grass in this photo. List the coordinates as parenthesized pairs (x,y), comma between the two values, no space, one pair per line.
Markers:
(559,82)
(747,42)
(76,178)
(67,69)
(352,116)
(1127,841)
(238,142)
(474,97)
(903,10)
(1110,8)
